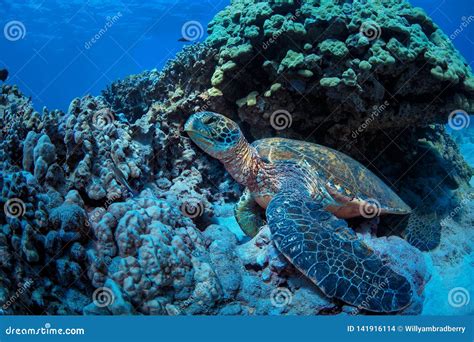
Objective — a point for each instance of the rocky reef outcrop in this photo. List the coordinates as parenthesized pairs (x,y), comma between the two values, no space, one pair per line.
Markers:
(328,63)
(108,208)
(366,77)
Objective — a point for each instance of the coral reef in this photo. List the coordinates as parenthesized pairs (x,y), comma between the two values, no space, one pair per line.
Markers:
(111,197)
(332,62)
(361,77)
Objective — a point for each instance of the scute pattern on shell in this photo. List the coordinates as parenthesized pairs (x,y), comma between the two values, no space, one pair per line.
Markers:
(350,177)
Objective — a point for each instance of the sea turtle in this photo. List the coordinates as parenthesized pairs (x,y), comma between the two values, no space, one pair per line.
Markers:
(308,190)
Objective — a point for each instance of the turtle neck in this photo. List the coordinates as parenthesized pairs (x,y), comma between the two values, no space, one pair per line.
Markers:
(244,164)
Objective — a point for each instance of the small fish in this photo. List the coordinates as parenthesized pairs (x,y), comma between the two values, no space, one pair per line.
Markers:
(120,177)
(183,39)
(3,74)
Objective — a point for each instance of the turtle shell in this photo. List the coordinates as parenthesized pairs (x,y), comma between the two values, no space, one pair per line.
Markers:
(344,174)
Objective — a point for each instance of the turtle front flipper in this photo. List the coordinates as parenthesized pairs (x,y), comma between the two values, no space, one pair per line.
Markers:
(248,214)
(328,252)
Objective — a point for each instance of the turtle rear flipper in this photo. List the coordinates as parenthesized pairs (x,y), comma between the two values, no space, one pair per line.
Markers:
(328,252)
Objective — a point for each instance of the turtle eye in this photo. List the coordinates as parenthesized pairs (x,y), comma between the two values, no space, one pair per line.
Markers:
(209,120)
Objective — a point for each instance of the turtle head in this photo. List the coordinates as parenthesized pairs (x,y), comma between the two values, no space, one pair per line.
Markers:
(214,133)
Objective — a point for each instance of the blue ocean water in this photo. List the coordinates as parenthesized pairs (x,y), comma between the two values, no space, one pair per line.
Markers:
(57,50)
(55,61)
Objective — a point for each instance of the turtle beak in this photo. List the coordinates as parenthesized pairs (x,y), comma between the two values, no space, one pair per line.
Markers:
(194,128)
(189,125)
